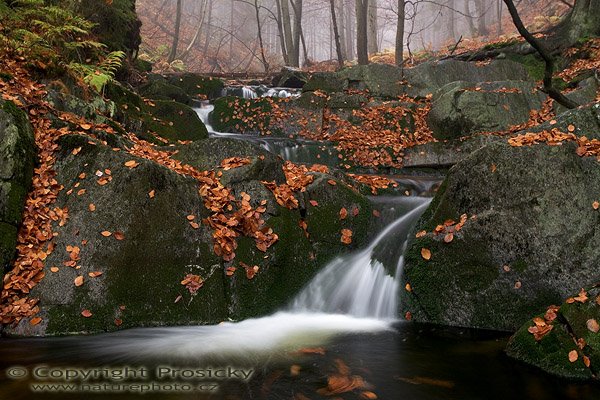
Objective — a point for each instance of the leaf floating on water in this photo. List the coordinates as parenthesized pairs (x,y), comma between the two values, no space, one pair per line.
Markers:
(86,313)
(422,380)
(573,356)
(426,253)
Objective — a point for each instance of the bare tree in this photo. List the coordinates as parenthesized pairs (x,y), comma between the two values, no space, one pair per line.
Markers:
(400,33)
(544,53)
(173,53)
(373,27)
(362,9)
(336,34)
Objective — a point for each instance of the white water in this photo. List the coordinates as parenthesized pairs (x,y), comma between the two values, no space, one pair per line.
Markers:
(352,294)
(358,285)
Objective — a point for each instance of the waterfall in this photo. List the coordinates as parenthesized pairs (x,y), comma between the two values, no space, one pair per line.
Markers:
(204,114)
(358,284)
(248,93)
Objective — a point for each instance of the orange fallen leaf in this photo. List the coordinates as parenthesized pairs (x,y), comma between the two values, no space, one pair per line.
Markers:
(194,225)
(343,213)
(346,236)
(573,356)
(92,207)
(592,325)
(54,269)
(78,281)
(151,194)
(449,237)
(421,234)
(191,217)
(131,164)
(595,205)
(86,313)
(119,235)
(368,395)
(426,253)
(407,287)
(118,322)
(586,361)
(313,203)
(34,321)
(571,128)
(95,274)
(106,233)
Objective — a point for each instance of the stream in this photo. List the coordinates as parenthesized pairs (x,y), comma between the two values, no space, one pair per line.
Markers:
(343,322)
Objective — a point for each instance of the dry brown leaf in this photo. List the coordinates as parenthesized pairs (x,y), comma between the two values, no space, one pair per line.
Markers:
(573,356)
(426,253)
(78,281)
(106,233)
(86,313)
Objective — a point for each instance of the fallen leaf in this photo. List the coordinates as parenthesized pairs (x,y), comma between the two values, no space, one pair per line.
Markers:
(151,194)
(118,322)
(595,205)
(346,236)
(343,213)
(106,233)
(92,207)
(420,234)
(54,269)
(78,281)
(95,274)
(592,325)
(407,287)
(86,313)
(34,321)
(449,237)
(119,235)
(426,253)
(131,164)
(313,203)
(573,356)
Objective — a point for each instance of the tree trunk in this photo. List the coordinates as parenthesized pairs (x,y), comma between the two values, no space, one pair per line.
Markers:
(480,10)
(189,48)
(263,57)
(451,21)
(295,53)
(373,27)
(362,31)
(350,31)
(287,29)
(175,44)
(341,20)
(336,34)
(469,19)
(400,34)
(284,50)
(582,21)
(544,53)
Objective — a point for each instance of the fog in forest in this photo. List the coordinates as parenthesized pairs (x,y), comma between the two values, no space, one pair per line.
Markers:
(223,36)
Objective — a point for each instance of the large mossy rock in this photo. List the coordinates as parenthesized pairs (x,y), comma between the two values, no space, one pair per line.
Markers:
(290,78)
(531,238)
(168,119)
(17,158)
(575,320)
(142,273)
(428,77)
(463,108)
(586,121)
(161,90)
(196,85)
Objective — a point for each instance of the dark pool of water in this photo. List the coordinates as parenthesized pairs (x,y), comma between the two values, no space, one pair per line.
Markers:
(409,362)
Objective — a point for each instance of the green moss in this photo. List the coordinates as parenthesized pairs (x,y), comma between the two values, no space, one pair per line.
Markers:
(550,353)
(235,114)
(520,265)
(534,65)
(174,121)
(15,198)
(197,85)
(500,45)
(8,245)
(161,90)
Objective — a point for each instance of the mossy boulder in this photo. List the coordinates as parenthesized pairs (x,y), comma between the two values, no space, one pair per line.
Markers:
(238,115)
(161,90)
(95,108)
(428,77)
(463,108)
(17,158)
(530,238)
(328,82)
(551,353)
(196,85)
(166,118)
(141,274)
(585,119)
(290,78)
(174,121)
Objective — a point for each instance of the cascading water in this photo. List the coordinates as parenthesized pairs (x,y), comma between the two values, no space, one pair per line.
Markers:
(359,284)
